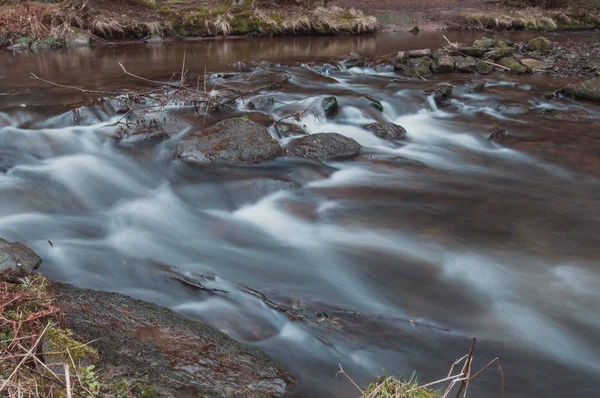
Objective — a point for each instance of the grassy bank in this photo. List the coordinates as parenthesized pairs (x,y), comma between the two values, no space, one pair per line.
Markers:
(50,24)
(532,19)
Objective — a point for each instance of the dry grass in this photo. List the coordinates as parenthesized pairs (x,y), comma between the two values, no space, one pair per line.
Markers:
(336,19)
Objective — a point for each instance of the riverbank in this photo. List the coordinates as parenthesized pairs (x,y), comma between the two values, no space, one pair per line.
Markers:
(46,26)
(61,340)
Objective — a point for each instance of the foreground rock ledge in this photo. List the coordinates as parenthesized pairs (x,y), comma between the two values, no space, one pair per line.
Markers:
(176,356)
(233,140)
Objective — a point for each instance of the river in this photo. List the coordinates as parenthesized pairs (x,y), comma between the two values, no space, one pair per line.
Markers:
(409,262)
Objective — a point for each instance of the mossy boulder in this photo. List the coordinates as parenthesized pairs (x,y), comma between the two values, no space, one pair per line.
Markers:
(539,44)
(585,90)
(426,52)
(234,140)
(512,64)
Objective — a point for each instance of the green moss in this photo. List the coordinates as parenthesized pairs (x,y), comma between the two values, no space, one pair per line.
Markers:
(374,103)
(512,64)
(25,39)
(483,67)
(61,341)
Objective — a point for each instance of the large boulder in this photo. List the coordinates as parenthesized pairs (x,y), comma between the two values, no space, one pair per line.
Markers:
(534,66)
(324,146)
(261,103)
(18,257)
(233,140)
(352,60)
(386,130)
(172,355)
(586,90)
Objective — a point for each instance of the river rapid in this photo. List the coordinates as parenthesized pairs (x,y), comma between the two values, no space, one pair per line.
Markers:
(397,258)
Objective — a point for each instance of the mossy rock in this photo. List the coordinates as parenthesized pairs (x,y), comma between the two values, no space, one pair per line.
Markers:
(61,346)
(444,64)
(484,42)
(546,24)
(499,53)
(501,44)
(586,90)
(331,107)
(483,67)
(512,64)
(540,43)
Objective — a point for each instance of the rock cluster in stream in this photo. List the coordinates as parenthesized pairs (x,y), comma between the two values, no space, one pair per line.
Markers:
(483,56)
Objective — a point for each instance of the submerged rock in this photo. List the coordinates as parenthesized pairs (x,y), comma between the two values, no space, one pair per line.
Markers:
(330,107)
(155,39)
(261,103)
(373,102)
(586,90)
(441,92)
(386,130)
(161,349)
(476,86)
(513,109)
(230,141)
(16,256)
(19,47)
(324,146)
(497,134)
(571,116)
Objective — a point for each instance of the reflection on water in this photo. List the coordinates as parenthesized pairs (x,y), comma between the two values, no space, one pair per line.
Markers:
(408,262)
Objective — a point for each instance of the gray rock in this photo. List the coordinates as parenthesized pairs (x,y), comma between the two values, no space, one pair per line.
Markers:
(465,64)
(475,86)
(40,46)
(444,64)
(330,107)
(400,58)
(534,66)
(571,116)
(261,103)
(386,130)
(472,51)
(440,52)
(159,348)
(324,146)
(426,52)
(77,38)
(16,256)
(484,42)
(373,102)
(230,141)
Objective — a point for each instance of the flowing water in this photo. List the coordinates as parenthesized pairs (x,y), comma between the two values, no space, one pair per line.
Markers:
(408,262)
